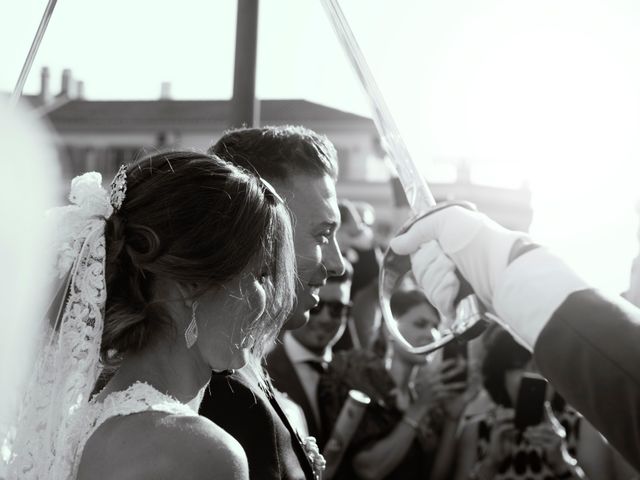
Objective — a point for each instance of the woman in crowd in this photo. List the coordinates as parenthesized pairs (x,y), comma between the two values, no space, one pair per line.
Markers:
(408,430)
(564,445)
(160,256)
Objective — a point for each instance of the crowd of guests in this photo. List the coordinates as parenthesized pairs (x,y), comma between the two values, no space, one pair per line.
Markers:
(429,417)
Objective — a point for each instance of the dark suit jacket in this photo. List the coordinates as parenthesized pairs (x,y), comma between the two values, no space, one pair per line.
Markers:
(285,379)
(590,351)
(273,448)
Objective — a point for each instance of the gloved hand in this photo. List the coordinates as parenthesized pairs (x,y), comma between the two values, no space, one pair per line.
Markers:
(477,245)
(524,296)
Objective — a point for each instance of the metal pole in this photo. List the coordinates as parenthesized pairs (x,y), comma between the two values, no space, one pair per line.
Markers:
(35,44)
(243,102)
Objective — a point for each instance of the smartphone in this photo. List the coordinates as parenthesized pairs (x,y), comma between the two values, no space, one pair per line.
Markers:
(456,350)
(530,402)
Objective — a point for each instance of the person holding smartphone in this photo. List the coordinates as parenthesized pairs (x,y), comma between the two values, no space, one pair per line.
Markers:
(549,440)
(408,430)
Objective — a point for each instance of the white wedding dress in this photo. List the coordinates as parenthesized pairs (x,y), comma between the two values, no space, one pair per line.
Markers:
(140,397)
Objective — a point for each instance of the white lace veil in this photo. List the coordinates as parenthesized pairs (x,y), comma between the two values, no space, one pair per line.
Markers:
(68,363)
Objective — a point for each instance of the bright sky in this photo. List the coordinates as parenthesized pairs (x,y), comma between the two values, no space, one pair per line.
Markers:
(546,91)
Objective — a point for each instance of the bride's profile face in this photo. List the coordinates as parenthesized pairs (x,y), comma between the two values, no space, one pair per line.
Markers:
(222,317)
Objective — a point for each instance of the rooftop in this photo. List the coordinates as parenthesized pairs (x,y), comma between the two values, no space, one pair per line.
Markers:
(194,114)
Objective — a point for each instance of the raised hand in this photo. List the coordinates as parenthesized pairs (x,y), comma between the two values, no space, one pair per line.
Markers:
(478,246)
(550,437)
(503,437)
(428,383)
(455,396)
(545,437)
(433,385)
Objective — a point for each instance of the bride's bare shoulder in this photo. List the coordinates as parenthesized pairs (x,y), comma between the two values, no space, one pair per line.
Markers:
(159,445)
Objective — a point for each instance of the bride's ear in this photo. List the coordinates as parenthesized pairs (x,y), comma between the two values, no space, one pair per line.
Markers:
(188,292)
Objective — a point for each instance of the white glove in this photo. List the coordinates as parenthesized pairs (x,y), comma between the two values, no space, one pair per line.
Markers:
(524,296)
(435,273)
(478,246)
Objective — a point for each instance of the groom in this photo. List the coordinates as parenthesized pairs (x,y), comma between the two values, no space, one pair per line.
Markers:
(302,166)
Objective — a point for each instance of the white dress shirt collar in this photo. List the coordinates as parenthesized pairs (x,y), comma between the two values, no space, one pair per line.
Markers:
(298,353)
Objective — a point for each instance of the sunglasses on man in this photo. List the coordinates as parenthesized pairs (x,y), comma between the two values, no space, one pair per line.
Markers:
(336,309)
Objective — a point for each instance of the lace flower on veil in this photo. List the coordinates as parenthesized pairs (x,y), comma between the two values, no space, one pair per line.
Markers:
(89,200)
(68,366)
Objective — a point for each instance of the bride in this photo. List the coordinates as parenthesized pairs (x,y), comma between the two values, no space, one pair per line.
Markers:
(186,266)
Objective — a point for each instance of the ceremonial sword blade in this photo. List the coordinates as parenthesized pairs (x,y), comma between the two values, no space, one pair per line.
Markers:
(413,183)
(419,196)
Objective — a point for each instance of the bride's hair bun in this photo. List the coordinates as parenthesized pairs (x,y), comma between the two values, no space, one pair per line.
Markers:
(188,218)
(129,301)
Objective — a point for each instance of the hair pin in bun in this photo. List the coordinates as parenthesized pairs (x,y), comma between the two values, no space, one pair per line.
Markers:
(119,188)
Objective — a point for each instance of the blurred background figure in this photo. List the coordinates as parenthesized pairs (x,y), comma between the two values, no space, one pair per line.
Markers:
(408,430)
(358,244)
(354,235)
(491,447)
(28,186)
(296,364)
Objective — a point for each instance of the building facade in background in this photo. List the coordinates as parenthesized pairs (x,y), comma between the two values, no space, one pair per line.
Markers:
(101,135)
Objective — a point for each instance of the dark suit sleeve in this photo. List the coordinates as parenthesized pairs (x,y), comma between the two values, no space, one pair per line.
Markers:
(590,352)
(233,406)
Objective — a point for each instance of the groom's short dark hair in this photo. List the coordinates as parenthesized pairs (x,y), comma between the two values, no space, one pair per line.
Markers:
(276,153)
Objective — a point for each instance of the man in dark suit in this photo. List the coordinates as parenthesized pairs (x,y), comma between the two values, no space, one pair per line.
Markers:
(586,343)
(296,364)
(302,167)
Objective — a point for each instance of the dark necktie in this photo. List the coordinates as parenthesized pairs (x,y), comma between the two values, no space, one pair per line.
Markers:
(319,366)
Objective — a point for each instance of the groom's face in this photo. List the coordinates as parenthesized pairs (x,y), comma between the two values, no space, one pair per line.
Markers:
(313,203)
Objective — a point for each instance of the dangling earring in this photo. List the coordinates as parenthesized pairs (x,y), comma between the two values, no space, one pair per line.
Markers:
(191,333)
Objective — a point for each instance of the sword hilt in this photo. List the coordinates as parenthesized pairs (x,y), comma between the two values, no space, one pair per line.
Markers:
(469,322)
